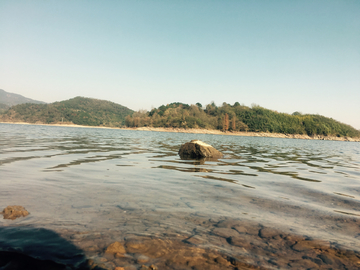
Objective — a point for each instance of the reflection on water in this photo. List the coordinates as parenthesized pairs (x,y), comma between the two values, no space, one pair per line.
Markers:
(122,183)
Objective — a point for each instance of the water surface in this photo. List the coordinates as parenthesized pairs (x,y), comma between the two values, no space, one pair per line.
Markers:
(121,184)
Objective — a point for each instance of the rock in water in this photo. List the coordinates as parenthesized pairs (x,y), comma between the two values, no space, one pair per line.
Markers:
(197,150)
(116,247)
(14,211)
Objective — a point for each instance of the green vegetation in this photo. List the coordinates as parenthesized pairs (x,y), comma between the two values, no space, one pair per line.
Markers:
(79,110)
(94,112)
(239,118)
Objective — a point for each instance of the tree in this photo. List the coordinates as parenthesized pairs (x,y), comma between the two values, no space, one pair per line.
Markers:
(233,123)
(136,121)
(242,126)
(226,122)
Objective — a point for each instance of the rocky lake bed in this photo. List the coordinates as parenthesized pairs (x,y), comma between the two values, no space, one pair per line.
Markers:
(238,246)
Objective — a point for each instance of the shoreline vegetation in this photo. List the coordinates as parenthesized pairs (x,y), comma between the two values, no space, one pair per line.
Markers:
(203,131)
(226,119)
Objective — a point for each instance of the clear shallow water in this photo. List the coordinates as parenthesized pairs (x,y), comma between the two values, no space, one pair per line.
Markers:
(119,183)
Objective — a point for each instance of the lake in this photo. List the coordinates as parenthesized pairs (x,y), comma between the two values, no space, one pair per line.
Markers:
(269,203)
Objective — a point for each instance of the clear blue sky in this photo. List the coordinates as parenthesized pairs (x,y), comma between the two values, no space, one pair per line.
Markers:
(283,55)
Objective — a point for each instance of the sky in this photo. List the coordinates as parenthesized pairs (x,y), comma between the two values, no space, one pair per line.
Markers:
(282,55)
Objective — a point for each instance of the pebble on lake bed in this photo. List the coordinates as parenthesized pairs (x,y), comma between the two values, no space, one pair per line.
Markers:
(151,267)
(14,211)
(196,149)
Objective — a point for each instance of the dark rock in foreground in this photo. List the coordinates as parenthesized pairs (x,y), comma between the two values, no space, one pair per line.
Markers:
(197,150)
(23,247)
(14,211)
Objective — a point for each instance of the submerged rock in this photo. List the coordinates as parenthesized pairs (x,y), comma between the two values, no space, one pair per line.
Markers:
(115,248)
(14,211)
(197,150)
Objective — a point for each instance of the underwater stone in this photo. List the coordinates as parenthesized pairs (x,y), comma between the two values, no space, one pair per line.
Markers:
(14,211)
(115,247)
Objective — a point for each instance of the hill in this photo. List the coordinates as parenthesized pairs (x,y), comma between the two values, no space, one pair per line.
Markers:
(79,111)
(3,107)
(11,99)
(239,118)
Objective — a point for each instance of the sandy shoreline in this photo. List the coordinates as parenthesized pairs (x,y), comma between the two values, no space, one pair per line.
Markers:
(206,131)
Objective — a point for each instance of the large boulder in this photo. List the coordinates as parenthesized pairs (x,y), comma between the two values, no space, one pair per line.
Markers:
(198,150)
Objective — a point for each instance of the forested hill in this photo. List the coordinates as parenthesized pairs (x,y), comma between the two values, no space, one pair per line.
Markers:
(94,112)
(79,111)
(239,118)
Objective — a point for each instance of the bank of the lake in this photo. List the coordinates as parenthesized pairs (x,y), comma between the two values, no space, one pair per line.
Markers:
(251,134)
(206,131)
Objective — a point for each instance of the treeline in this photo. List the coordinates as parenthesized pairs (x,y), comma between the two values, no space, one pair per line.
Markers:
(79,111)
(238,118)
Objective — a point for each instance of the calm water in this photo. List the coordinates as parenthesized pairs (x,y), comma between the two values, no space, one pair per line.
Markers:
(91,181)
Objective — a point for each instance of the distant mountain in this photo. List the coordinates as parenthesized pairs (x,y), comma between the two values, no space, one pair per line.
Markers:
(79,111)
(11,99)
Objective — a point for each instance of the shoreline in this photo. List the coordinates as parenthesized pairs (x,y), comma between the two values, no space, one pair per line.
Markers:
(205,131)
